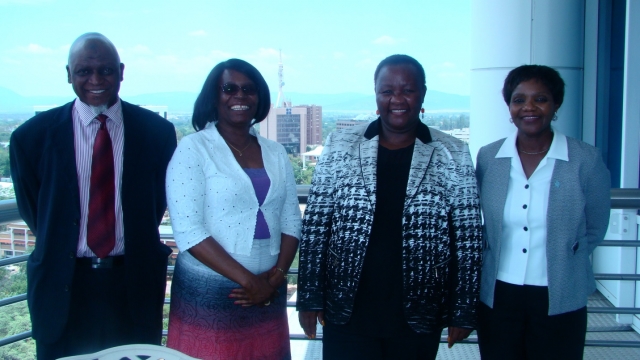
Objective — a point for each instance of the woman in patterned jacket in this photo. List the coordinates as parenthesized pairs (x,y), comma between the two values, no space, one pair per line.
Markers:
(391,242)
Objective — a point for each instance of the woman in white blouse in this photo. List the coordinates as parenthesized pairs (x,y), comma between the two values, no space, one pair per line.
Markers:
(234,210)
(545,200)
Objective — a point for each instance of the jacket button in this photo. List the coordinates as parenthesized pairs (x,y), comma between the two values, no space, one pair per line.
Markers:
(524,251)
(526,228)
(526,186)
(524,206)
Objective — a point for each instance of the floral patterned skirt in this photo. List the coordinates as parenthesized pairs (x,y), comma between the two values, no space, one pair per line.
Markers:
(204,323)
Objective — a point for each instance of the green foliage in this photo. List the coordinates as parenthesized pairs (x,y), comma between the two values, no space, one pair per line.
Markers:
(14,319)
(21,350)
(13,282)
(5,168)
(302,176)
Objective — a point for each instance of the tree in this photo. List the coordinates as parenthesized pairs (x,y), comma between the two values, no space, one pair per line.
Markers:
(302,176)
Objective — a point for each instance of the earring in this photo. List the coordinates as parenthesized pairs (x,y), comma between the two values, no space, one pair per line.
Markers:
(511,120)
(555,117)
(377,112)
(422,113)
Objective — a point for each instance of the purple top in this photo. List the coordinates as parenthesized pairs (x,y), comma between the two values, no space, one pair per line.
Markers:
(261,183)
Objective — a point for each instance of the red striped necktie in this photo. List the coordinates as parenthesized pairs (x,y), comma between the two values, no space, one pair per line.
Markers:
(101,224)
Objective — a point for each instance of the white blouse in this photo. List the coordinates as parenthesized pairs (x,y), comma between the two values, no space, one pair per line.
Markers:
(523,254)
(208,194)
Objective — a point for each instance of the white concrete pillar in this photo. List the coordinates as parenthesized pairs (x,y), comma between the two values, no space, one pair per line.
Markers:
(506,34)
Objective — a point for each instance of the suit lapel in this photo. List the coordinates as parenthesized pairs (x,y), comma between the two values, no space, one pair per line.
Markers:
(419,163)
(368,158)
(495,186)
(62,137)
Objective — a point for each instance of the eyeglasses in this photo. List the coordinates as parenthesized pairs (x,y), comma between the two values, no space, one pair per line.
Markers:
(232,89)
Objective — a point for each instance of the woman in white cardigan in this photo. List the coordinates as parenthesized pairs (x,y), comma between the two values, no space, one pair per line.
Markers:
(235,216)
(545,201)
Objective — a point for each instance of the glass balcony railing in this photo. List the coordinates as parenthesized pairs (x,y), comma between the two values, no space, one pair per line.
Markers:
(620,199)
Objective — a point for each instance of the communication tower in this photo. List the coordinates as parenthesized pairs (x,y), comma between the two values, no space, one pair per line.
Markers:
(280,83)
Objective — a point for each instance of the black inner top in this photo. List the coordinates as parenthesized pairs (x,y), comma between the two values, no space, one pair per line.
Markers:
(378,307)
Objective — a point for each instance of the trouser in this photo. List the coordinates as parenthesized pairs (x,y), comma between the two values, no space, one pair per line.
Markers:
(338,343)
(98,314)
(518,326)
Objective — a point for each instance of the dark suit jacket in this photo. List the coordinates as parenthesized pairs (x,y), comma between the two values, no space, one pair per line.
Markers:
(43,169)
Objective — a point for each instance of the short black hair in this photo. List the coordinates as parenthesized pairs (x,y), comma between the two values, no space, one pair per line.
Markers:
(205,109)
(400,59)
(546,75)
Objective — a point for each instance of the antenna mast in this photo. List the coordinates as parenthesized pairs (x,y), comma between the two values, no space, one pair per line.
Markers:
(280,83)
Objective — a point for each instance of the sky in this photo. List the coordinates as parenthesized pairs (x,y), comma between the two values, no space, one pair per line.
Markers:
(327,46)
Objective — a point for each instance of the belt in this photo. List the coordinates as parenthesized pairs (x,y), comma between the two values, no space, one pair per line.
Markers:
(97,263)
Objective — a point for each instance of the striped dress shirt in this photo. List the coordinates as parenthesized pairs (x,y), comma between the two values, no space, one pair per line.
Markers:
(85,128)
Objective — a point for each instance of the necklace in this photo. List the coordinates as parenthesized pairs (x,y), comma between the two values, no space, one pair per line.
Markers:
(530,153)
(238,150)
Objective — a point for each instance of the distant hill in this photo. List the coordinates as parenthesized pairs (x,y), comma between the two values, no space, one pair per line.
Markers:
(182,102)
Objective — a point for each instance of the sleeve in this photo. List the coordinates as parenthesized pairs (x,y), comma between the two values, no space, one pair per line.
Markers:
(316,232)
(598,206)
(185,186)
(290,220)
(465,232)
(25,182)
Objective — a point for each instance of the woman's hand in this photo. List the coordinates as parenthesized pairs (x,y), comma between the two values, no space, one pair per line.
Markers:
(275,277)
(457,334)
(258,291)
(308,322)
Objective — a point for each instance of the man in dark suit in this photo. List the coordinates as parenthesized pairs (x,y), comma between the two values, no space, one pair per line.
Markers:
(97,276)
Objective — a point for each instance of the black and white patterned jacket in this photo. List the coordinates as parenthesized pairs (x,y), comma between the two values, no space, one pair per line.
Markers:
(441,226)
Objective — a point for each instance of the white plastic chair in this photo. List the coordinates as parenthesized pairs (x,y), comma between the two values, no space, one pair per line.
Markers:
(134,352)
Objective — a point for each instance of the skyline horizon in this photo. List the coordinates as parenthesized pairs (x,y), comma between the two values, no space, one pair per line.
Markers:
(12,102)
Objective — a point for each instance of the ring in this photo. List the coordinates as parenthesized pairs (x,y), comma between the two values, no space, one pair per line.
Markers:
(267,303)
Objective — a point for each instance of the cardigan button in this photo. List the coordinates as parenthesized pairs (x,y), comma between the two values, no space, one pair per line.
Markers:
(524,251)
(524,206)
(526,228)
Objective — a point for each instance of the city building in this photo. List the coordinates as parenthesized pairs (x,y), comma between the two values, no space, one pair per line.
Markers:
(314,124)
(37,109)
(462,134)
(347,123)
(288,126)
(158,109)
(16,239)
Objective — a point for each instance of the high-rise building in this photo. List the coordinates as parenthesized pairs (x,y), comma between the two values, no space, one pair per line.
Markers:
(287,126)
(314,124)
(294,127)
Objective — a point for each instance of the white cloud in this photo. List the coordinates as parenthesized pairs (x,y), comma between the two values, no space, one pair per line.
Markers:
(141,49)
(198,33)
(387,40)
(338,55)
(36,49)
(23,2)
(268,53)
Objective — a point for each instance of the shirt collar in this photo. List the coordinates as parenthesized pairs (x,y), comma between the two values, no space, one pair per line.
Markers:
(558,149)
(87,115)
(422,132)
